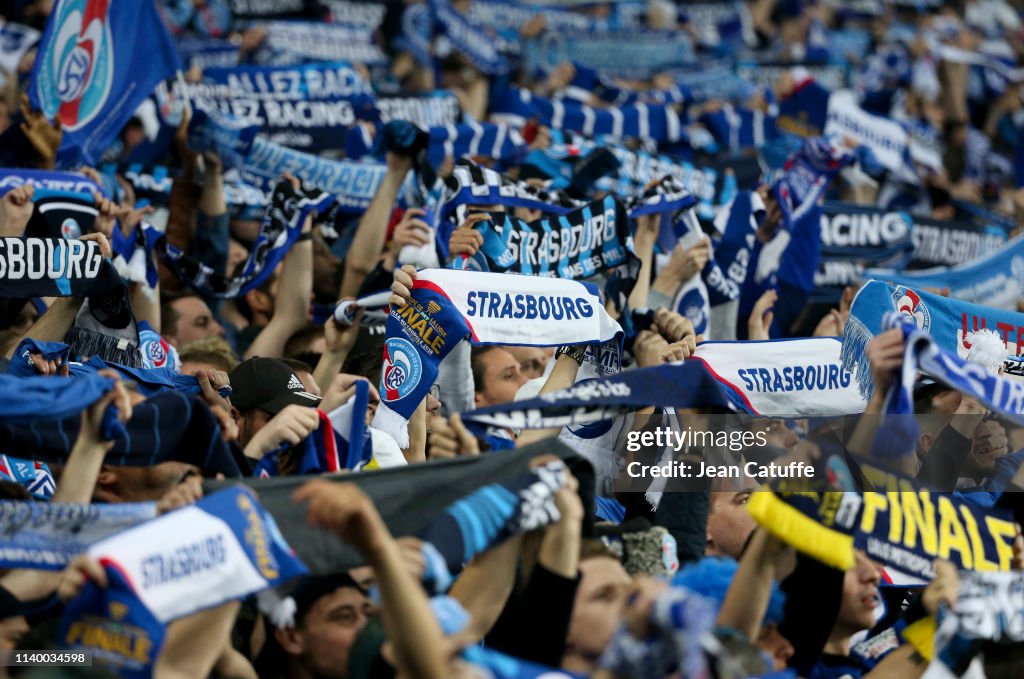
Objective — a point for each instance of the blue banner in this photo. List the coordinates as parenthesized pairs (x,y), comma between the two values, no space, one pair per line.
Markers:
(940,242)
(308,107)
(855,238)
(88,72)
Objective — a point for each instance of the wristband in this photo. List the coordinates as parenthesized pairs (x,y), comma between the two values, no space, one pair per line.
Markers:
(575,352)
(304,236)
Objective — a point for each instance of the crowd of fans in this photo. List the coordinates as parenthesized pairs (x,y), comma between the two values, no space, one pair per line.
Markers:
(626,578)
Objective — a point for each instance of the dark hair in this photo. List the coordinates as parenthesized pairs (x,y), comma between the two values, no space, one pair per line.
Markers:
(367,364)
(9,490)
(168,314)
(240,302)
(477,365)
(300,341)
(297,366)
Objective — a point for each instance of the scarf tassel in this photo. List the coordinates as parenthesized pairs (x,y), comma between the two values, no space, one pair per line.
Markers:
(856,337)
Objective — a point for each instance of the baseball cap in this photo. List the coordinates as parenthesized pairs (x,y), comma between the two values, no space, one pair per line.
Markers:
(268,384)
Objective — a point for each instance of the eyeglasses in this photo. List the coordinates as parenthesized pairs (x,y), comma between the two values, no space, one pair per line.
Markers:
(435,391)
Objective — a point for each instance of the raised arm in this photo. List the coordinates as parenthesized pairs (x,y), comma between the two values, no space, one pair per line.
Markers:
(368,242)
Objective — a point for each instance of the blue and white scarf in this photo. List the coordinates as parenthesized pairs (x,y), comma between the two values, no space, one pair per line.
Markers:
(154,182)
(656,122)
(987,604)
(737,128)
(510,16)
(204,53)
(576,245)
(784,378)
(719,25)
(498,141)
(487,50)
(888,140)
(332,80)
(713,79)
(48,536)
(308,107)
(996,279)
(766,73)
(223,548)
(309,125)
(923,353)
(636,170)
(948,321)
(365,15)
(230,137)
(950,242)
(487,517)
(488,308)
(435,109)
(353,185)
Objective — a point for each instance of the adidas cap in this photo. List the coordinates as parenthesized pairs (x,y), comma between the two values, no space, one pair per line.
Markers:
(267,384)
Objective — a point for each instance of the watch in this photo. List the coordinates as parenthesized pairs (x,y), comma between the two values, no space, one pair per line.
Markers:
(574,351)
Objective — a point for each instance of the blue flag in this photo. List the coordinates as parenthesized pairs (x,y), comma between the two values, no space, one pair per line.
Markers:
(97,61)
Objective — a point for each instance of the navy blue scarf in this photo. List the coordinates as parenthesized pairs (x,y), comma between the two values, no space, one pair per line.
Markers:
(940,242)
(854,238)
(684,385)
(579,244)
(167,427)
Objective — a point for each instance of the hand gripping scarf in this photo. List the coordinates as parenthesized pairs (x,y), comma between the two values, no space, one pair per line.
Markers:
(690,384)
(947,321)
(223,548)
(987,612)
(489,308)
(592,240)
(57,267)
